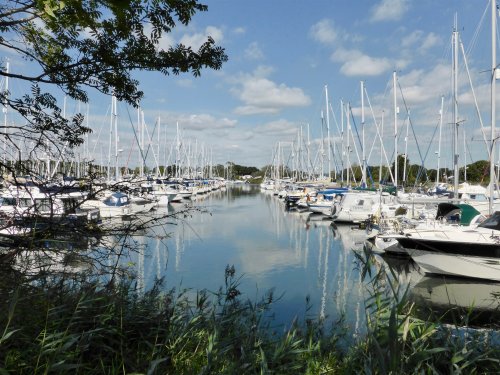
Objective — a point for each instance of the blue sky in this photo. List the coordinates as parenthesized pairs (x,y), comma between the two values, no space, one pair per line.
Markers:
(282,53)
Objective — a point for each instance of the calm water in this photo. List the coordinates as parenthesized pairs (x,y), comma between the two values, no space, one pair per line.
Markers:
(269,247)
(286,251)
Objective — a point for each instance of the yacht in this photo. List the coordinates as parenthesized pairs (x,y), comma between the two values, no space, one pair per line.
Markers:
(447,218)
(463,251)
(119,204)
(358,206)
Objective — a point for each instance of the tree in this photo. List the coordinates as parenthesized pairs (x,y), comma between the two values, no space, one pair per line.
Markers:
(78,45)
(477,172)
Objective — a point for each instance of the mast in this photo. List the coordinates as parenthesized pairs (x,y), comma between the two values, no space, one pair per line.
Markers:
(493,178)
(158,174)
(381,148)
(348,147)
(5,109)
(115,119)
(363,152)
(395,130)
(455,109)
(406,149)
(110,138)
(178,153)
(342,137)
(328,136)
(309,168)
(439,142)
(141,146)
(465,155)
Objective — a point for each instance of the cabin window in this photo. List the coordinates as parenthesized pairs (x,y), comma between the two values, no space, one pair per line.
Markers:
(8,201)
(70,205)
(24,202)
(42,205)
(361,202)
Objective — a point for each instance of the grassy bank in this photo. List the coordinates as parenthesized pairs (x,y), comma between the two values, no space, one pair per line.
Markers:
(84,327)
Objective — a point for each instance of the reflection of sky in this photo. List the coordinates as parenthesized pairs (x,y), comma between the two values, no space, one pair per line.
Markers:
(269,247)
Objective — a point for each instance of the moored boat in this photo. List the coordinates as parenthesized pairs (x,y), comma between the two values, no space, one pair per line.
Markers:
(463,251)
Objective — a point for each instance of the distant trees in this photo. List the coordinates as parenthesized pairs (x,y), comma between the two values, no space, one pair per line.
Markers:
(477,173)
(237,170)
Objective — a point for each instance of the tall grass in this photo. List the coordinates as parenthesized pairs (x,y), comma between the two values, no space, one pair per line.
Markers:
(398,343)
(89,328)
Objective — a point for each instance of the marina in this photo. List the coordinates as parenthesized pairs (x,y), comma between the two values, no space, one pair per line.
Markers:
(310,264)
(184,192)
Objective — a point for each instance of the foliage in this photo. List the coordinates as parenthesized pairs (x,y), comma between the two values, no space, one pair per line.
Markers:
(76,46)
(477,173)
(86,327)
(94,329)
(399,343)
(241,170)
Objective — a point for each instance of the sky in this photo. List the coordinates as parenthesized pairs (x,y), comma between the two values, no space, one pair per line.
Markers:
(285,55)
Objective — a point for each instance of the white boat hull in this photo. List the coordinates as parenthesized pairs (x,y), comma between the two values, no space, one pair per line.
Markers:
(457,265)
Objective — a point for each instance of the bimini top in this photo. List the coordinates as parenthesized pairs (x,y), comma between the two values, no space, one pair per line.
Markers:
(466,213)
(493,222)
(117,199)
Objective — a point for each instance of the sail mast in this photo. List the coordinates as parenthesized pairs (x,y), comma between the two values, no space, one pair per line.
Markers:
(493,179)
(363,176)
(395,130)
(441,112)
(455,109)
(328,137)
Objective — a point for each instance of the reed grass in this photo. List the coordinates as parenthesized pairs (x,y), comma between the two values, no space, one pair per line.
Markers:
(90,328)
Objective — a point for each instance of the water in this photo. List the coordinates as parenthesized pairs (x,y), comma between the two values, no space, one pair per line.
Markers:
(289,252)
(298,257)
(270,248)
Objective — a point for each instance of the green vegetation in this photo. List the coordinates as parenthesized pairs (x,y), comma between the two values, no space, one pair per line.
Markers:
(76,46)
(477,173)
(86,327)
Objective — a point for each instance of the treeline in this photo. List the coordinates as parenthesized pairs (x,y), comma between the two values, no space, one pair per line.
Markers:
(414,174)
(408,174)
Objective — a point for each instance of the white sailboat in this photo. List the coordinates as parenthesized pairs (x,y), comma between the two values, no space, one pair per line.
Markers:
(118,204)
(358,206)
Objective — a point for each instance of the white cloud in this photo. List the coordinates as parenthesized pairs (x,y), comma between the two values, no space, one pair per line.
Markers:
(389,10)
(324,32)
(197,39)
(281,127)
(430,41)
(166,41)
(411,39)
(261,95)
(263,71)
(265,96)
(355,63)
(420,86)
(419,41)
(253,52)
(203,122)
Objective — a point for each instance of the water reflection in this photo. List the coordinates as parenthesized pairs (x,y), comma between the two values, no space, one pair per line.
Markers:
(298,255)
(457,301)
(291,253)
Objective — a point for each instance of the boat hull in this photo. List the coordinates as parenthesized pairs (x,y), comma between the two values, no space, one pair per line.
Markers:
(451,264)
